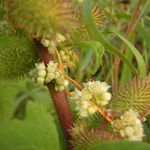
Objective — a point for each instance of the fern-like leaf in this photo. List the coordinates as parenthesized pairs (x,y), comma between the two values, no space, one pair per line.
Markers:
(135,95)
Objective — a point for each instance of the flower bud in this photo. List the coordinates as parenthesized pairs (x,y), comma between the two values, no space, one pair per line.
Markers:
(42,73)
(45,42)
(40,66)
(40,80)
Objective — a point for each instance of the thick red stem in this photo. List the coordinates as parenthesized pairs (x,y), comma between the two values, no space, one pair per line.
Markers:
(59,98)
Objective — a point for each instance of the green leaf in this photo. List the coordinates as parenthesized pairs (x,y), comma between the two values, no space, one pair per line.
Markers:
(96,35)
(125,69)
(86,59)
(120,145)
(36,132)
(147,130)
(7,102)
(98,50)
(138,56)
(126,78)
(144,34)
(146,9)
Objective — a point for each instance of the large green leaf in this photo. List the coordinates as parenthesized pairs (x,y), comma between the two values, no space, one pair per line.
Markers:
(36,132)
(7,102)
(120,145)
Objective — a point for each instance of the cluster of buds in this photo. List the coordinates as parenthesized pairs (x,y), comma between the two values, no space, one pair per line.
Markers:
(48,44)
(50,73)
(68,57)
(129,126)
(60,38)
(41,73)
(93,95)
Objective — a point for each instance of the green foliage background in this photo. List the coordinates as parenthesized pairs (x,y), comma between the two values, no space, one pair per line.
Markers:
(28,120)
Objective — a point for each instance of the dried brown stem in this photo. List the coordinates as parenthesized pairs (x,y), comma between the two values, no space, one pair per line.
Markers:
(59,98)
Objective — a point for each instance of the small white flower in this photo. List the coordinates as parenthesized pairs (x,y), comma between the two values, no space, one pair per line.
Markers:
(51,50)
(66,83)
(83,114)
(92,110)
(76,94)
(130,117)
(83,104)
(60,38)
(59,88)
(60,80)
(106,96)
(50,73)
(40,66)
(94,87)
(45,42)
(85,94)
(49,77)
(42,73)
(104,87)
(51,67)
(40,80)
(129,126)
(129,131)
(103,103)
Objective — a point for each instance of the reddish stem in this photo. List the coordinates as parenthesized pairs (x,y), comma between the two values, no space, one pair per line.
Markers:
(102,126)
(59,98)
(130,29)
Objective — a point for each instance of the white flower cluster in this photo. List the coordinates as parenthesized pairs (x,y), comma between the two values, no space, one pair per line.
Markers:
(48,44)
(93,95)
(129,126)
(51,73)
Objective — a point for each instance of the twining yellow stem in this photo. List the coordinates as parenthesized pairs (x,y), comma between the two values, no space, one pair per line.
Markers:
(68,92)
(70,65)
(65,75)
(103,115)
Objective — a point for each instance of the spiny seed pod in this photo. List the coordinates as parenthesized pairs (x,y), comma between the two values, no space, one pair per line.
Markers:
(82,138)
(17,55)
(79,32)
(41,18)
(135,95)
(99,14)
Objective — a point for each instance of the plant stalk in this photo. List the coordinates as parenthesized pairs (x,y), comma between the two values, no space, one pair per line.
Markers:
(130,29)
(59,98)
